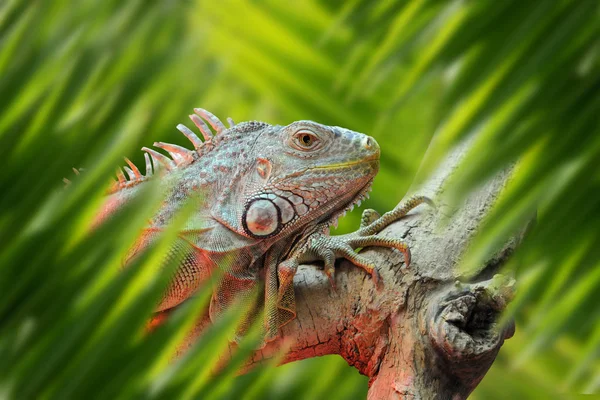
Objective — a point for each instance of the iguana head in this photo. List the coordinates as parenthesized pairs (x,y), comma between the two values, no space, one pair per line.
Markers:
(304,173)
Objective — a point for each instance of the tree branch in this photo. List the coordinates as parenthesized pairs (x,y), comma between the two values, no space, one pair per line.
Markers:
(423,335)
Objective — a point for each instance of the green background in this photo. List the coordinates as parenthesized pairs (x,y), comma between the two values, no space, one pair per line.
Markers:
(83,83)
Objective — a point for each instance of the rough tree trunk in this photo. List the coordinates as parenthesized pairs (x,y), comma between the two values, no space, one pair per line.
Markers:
(424,334)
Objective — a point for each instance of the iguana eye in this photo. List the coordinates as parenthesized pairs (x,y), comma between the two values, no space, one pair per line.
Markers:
(306,140)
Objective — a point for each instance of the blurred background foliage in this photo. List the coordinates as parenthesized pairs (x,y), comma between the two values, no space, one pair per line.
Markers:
(84,83)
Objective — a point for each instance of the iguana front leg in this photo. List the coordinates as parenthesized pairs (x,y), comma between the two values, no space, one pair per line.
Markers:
(322,247)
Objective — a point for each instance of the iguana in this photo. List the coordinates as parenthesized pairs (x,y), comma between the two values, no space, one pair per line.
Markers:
(270,193)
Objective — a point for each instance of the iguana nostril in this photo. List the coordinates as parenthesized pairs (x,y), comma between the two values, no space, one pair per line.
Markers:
(370,144)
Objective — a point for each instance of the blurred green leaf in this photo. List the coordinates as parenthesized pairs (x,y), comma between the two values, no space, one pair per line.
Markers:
(85,83)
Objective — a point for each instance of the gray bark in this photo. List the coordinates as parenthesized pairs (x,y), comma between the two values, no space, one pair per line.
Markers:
(424,334)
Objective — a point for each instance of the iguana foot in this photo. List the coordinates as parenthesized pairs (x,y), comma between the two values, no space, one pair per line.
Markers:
(372,226)
(368,216)
(328,248)
(322,247)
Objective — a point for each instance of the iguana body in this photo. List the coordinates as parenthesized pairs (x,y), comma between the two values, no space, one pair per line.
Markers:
(268,195)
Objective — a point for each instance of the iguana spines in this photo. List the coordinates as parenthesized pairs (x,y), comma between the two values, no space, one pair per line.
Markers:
(180,157)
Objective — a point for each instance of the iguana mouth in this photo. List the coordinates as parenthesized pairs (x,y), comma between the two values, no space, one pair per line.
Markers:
(348,164)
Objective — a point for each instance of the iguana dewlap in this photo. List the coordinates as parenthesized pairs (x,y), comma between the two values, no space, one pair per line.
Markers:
(268,192)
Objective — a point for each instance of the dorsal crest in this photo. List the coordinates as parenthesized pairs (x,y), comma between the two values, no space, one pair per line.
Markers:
(211,129)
